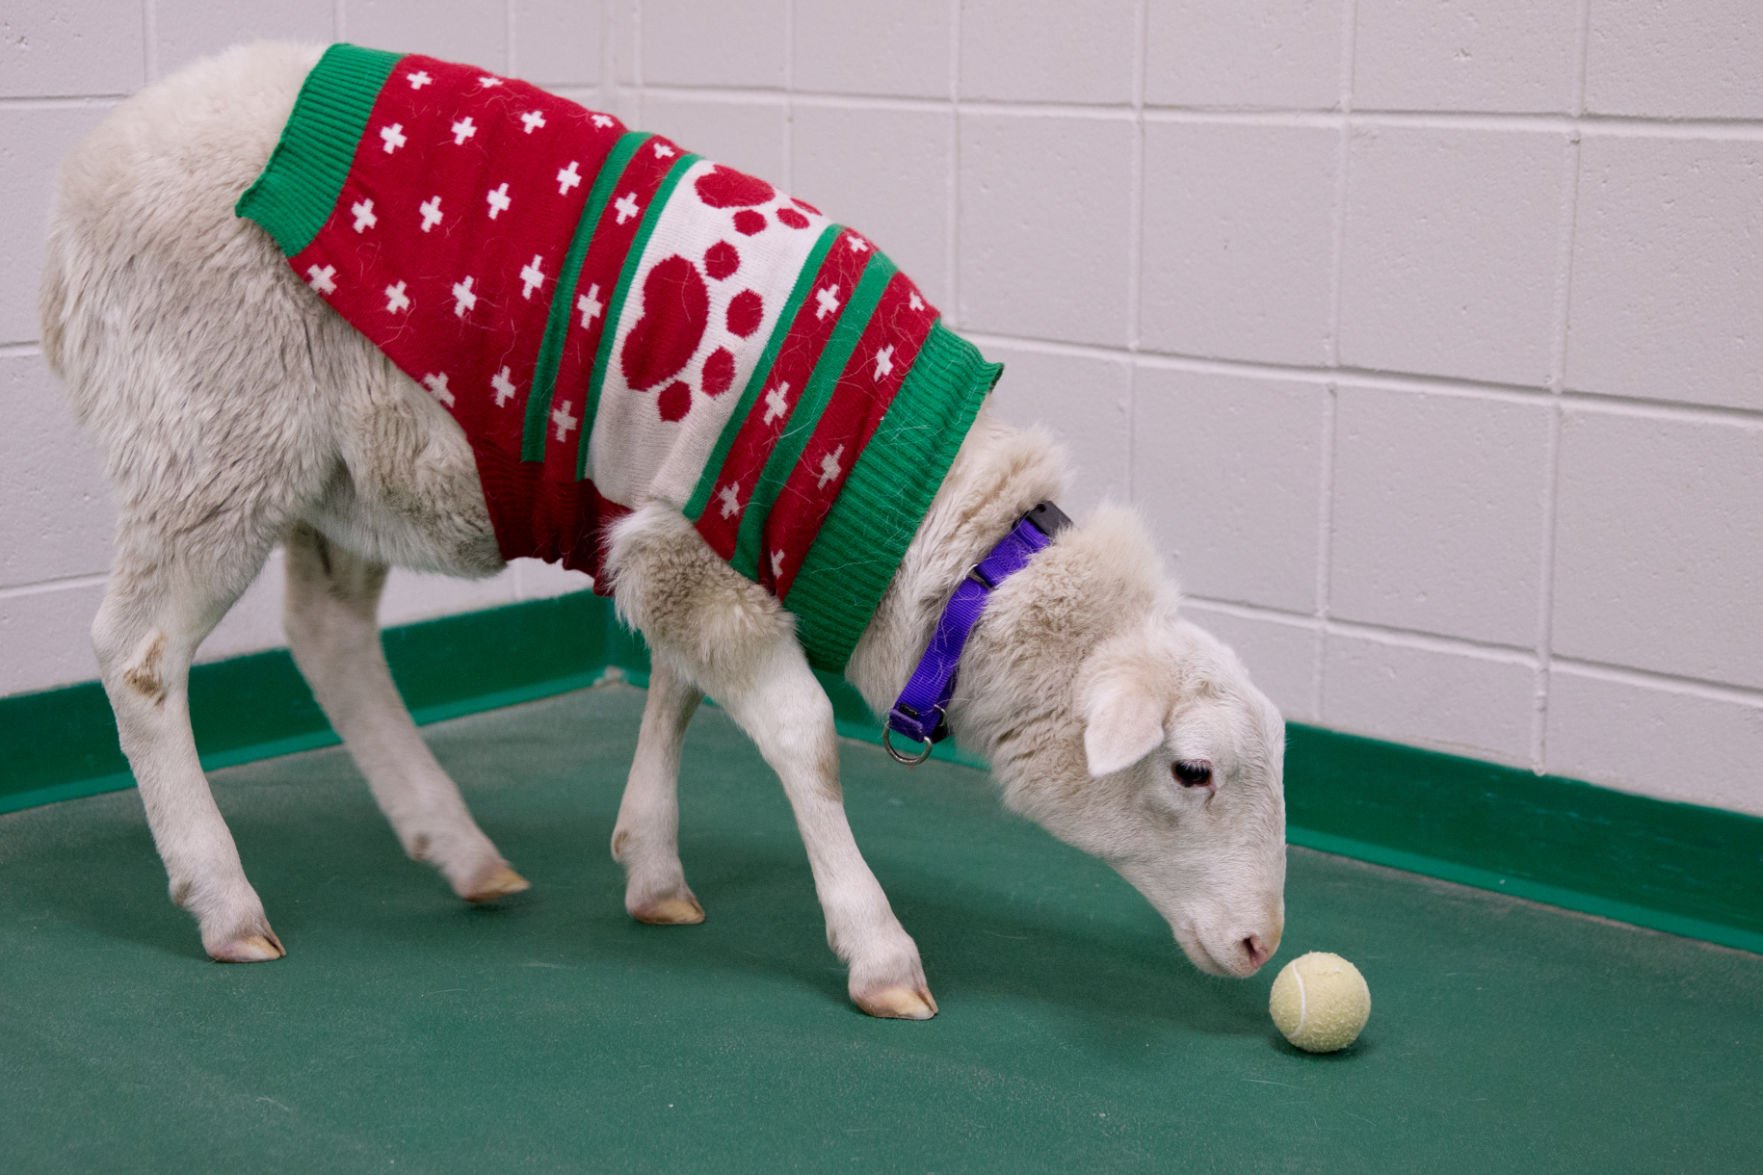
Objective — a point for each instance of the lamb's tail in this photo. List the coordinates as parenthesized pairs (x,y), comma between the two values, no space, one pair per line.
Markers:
(52,303)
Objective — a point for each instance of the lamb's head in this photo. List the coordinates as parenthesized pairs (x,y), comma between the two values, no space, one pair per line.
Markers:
(1150,749)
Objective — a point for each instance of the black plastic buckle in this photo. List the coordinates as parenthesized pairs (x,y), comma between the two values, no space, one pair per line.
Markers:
(1047,518)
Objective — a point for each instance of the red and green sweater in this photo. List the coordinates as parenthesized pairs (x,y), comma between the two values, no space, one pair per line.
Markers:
(614,321)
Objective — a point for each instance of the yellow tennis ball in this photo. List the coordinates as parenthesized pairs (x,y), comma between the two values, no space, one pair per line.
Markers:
(1320,1002)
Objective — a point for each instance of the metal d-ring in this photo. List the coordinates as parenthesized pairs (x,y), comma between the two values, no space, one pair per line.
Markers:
(925,746)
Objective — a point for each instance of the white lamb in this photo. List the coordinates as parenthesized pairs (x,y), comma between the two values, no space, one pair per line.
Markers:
(237,412)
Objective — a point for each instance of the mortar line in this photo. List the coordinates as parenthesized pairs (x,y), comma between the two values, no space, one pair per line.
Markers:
(789,176)
(43,587)
(1562,325)
(1136,167)
(953,261)
(150,40)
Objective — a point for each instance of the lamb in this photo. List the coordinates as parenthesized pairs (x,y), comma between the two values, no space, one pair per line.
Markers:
(237,411)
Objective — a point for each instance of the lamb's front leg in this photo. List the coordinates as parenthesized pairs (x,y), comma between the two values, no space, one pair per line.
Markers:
(788,716)
(725,635)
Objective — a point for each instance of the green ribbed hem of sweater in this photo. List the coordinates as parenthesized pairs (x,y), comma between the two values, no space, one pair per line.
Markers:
(876,515)
(298,189)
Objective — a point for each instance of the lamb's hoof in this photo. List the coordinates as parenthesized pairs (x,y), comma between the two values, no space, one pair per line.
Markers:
(897,1003)
(496,883)
(250,948)
(669,912)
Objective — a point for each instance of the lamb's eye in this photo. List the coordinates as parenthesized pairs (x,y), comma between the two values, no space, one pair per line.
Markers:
(1192,772)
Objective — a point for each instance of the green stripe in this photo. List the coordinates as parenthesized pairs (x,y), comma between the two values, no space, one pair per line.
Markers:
(805,279)
(876,515)
(538,403)
(615,305)
(298,189)
(805,416)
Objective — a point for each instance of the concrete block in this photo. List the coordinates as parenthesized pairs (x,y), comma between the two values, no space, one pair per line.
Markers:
(1438,513)
(1462,701)
(1274,54)
(1667,265)
(902,48)
(557,43)
(1449,263)
(1048,52)
(1461,55)
(1685,60)
(454,30)
(737,43)
(58,519)
(187,30)
(1659,545)
(1658,739)
(1238,246)
(1045,226)
(49,48)
(1229,471)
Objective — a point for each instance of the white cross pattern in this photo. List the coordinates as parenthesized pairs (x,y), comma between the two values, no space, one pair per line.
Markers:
(603,121)
(626,206)
(884,363)
(504,387)
(568,177)
(776,404)
(730,497)
(463,130)
(532,276)
(590,305)
(828,297)
(322,278)
(564,419)
(397,301)
(858,244)
(915,301)
(489,80)
(437,386)
(498,199)
(393,137)
(777,564)
(533,120)
(830,467)
(431,212)
(663,151)
(419,79)
(364,217)
(463,298)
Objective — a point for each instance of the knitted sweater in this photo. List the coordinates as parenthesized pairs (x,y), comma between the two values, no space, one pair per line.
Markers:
(614,321)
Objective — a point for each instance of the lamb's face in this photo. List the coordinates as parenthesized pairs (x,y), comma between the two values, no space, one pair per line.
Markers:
(1175,779)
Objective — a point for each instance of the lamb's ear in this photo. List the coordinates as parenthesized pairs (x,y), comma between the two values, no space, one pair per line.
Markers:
(1123,722)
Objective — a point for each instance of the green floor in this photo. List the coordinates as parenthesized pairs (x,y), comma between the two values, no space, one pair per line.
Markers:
(406,1032)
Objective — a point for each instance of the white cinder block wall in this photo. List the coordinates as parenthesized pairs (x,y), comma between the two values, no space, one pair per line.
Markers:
(1428,336)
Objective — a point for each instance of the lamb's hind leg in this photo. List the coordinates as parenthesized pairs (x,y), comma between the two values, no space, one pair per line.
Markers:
(330,612)
(163,599)
(646,840)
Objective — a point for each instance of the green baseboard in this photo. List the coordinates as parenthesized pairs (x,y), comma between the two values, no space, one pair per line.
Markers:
(1679,868)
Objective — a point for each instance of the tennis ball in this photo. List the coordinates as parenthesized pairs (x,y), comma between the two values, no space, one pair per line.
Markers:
(1320,1002)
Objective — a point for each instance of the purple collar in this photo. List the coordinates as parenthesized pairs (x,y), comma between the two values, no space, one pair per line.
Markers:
(921,713)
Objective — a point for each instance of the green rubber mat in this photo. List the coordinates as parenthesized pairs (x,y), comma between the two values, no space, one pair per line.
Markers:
(407,1032)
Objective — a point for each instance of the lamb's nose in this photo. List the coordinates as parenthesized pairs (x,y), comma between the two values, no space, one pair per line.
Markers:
(1257,951)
